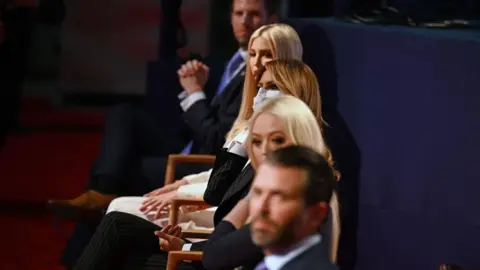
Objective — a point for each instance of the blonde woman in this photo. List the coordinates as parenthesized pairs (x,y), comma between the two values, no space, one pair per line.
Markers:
(270,42)
(280,122)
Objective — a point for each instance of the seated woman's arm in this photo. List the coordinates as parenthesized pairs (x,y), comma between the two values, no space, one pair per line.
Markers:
(195,190)
(199,177)
(228,166)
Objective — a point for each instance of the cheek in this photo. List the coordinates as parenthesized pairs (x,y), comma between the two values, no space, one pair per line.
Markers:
(253,60)
(257,21)
(234,21)
(283,214)
(258,155)
(254,68)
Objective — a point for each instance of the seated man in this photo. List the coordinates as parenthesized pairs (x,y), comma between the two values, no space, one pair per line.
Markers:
(131,133)
(288,202)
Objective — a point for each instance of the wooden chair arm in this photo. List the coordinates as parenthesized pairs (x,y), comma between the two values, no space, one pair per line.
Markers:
(196,234)
(175,207)
(174,257)
(175,159)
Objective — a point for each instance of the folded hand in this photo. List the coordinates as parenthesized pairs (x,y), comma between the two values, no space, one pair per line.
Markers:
(169,238)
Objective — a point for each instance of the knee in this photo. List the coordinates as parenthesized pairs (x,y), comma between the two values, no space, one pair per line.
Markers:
(112,217)
(117,218)
(115,205)
(125,204)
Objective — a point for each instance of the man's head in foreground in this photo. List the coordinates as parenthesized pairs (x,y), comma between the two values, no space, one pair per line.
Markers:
(289,197)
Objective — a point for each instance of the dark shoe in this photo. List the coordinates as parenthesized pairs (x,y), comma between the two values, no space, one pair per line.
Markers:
(91,205)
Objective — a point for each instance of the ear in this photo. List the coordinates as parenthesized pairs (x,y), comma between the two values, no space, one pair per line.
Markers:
(318,213)
(273,18)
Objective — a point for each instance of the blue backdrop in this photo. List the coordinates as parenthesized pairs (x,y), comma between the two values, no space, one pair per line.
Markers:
(405,104)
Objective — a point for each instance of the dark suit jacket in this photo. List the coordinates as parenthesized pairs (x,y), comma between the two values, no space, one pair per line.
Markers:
(226,170)
(211,121)
(228,166)
(313,258)
(229,182)
(225,238)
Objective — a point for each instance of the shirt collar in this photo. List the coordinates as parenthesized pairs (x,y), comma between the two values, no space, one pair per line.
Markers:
(277,261)
(244,54)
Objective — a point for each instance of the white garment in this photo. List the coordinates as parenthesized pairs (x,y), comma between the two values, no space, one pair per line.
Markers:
(198,220)
(264,94)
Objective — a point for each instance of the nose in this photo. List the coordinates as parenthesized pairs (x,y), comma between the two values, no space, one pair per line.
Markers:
(264,206)
(257,64)
(246,18)
(265,148)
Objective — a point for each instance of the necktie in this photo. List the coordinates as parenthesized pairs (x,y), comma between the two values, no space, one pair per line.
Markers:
(229,72)
(261,266)
(227,76)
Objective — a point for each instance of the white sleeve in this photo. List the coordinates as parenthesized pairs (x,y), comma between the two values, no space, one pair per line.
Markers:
(199,177)
(192,190)
(188,101)
(238,149)
(187,247)
(237,145)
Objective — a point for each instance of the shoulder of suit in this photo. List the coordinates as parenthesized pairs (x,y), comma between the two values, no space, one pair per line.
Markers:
(316,255)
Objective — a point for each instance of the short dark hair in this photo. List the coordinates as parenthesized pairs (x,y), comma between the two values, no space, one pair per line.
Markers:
(320,176)
(271,6)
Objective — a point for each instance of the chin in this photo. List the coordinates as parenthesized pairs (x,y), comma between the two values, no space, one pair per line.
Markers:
(242,42)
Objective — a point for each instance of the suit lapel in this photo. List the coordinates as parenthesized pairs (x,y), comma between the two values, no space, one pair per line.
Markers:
(318,255)
(241,183)
(229,88)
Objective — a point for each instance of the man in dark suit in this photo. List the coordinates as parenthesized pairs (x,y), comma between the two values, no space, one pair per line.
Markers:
(133,152)
(132,134)
(288,202)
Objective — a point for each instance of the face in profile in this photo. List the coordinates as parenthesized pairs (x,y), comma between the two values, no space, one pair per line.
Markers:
(247,16)
(259,53)
(276,206)
(267,134)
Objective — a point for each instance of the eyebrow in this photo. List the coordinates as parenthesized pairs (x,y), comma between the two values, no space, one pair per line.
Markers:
(270,133)
(261,50)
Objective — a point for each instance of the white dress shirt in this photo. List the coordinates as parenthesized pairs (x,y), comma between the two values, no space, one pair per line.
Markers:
(186,100)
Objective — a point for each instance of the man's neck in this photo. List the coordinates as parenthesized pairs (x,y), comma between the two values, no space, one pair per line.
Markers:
(282,249)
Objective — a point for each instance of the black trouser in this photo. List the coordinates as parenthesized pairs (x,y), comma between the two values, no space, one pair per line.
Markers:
(133,152)
(132,161)
(124,241)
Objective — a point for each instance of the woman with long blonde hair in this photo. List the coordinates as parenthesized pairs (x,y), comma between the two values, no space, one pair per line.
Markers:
(269,42)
